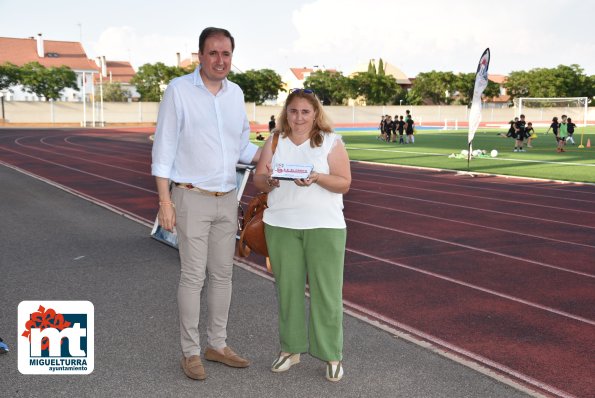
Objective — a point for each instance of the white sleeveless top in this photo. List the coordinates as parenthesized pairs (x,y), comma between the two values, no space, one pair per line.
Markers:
(291,206)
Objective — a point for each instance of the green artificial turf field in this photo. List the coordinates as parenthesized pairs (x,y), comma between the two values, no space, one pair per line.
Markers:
(432,148)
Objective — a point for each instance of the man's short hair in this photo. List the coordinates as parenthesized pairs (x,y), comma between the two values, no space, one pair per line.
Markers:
(211,31)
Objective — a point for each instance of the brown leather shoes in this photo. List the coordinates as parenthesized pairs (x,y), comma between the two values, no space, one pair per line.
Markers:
(193,367)
(228,357)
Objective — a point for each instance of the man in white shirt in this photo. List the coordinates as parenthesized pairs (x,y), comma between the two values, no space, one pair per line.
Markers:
(202,132)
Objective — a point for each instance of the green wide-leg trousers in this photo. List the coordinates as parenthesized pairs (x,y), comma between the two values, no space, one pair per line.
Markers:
(316,255)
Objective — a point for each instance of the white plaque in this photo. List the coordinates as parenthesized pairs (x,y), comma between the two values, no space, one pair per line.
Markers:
(285,171)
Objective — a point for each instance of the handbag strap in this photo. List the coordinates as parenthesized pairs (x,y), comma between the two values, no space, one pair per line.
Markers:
(275,142)
(273,148)
(243,249)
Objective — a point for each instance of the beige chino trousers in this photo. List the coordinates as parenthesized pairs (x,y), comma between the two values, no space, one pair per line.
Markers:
(206,226)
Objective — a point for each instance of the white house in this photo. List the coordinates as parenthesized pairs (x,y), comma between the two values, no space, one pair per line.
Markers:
(49,53)
(120,72)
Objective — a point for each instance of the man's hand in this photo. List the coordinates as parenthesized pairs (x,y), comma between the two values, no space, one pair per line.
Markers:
(167,216)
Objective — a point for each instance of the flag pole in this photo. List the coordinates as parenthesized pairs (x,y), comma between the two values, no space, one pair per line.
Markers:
(481,82)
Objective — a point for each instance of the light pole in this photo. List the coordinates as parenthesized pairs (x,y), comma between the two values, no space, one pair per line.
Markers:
(400,102)
(2,100)
(84,83)
(103,69)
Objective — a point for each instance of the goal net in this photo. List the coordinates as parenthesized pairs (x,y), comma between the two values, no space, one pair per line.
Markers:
(544,109)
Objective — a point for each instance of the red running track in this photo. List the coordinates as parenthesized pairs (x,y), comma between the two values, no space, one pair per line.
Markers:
(497,270)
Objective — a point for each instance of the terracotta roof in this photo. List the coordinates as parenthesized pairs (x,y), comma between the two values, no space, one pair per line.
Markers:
(56,53)
(499,99)
(500,79)
(193,60)
(121,71)
(299,72)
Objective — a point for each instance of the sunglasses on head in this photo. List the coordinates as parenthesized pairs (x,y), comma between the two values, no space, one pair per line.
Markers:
(301,90)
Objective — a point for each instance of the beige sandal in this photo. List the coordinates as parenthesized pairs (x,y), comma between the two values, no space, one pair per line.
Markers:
(334,372)
(284,362)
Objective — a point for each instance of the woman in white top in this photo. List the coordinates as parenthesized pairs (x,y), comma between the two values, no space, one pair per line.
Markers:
(306,232)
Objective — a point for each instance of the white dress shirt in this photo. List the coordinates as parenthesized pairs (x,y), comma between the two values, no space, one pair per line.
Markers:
(200,137)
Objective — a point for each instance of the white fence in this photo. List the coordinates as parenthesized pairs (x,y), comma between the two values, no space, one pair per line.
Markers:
(146,113)
(75,113)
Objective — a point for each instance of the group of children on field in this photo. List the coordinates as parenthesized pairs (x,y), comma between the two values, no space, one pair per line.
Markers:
(522,131)
(563,132)
(389,128)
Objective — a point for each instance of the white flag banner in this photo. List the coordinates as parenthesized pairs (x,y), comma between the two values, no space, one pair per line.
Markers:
(481,82)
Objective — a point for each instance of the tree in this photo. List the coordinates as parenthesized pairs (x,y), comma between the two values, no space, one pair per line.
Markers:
(46,82)
(572,82)
(401,96)
(562,81)
(9,75)
(517,84)
(465,84)
(376,89)
(150,78)
(435,86)
(371,67)
(591,89)
(380,67)
(413,98)
(332,88)
(258,85)
(113,92)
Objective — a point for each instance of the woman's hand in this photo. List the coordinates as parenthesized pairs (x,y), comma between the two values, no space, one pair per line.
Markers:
(263,181)
(272,182)
(306,182)
(338,178)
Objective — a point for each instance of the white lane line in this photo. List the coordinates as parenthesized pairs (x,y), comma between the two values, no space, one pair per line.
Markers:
(94,151)
(508,231)
(472,208)
(486,198)
(86,160)
(118,154)
(82,171)
(466,186)
(455,172)
(437,345)
(525,260)
(479,288)
(82,195)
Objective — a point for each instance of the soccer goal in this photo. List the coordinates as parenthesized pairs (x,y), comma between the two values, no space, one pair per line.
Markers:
(544,109)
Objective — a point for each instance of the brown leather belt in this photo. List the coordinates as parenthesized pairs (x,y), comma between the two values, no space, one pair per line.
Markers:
(197,189)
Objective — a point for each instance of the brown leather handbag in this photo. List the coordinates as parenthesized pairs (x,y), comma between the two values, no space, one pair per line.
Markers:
(252,232)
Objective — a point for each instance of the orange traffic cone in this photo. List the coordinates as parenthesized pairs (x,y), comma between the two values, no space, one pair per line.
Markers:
(589,143)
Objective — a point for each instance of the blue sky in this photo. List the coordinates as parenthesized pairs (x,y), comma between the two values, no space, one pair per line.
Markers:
(415,36)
